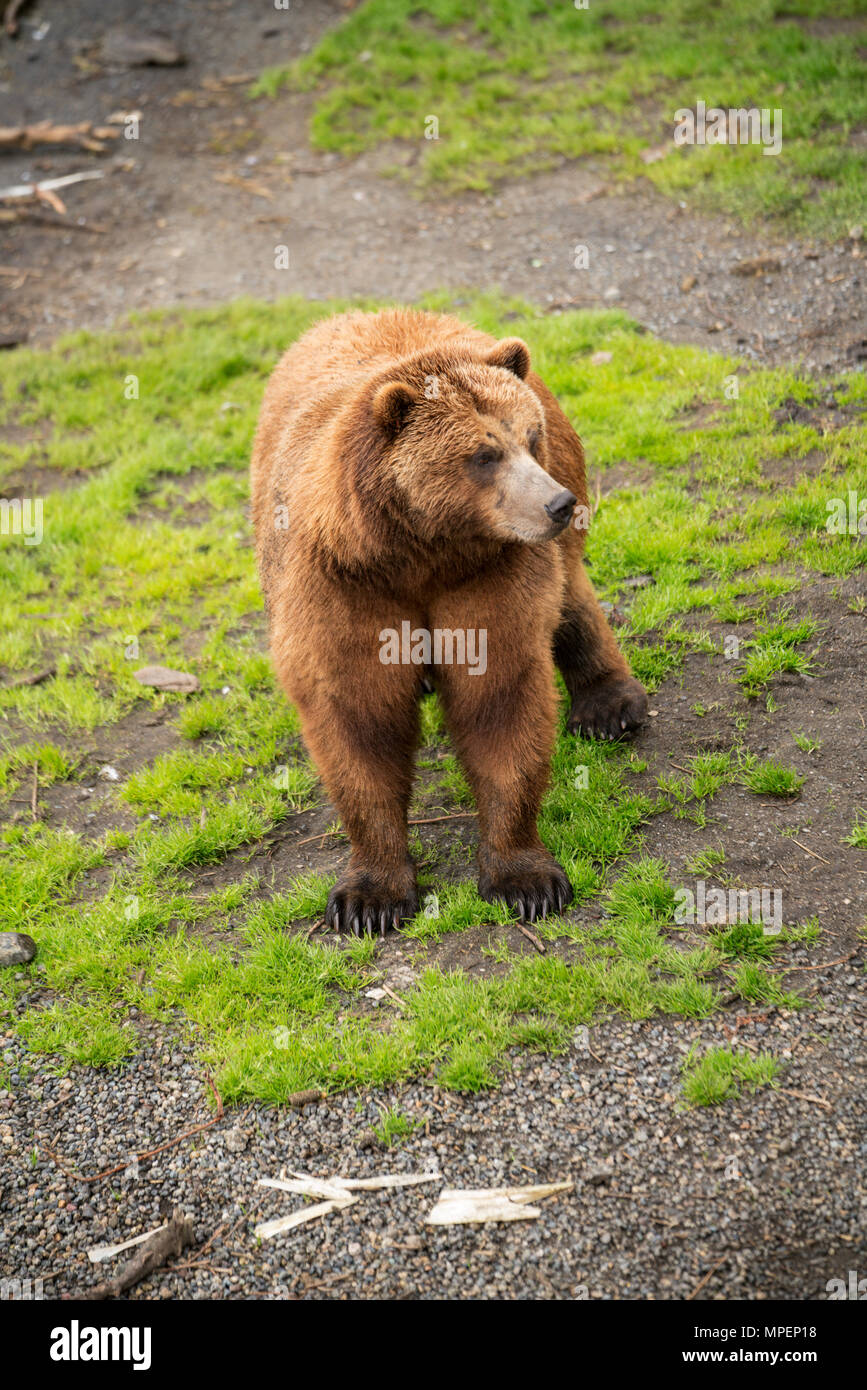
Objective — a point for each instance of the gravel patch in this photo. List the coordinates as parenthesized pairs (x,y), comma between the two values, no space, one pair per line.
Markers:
(765,1191)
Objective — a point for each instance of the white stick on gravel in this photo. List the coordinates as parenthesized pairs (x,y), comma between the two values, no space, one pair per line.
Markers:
(268,1229)
(27,190)
(387,1180)
(97,1253)
(461,1207)
(306,1187)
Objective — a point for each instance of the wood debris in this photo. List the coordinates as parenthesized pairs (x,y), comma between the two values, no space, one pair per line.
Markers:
(46,188)
(97,1253)
(459,1207)
(156,1250)
(337,1193)
(249,185)
(386,1181)
(268,1229)
(84,135)
(306,1187)
(757,265)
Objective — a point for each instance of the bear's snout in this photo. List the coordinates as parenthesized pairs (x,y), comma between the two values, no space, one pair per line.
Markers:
(561,507)
(531,505)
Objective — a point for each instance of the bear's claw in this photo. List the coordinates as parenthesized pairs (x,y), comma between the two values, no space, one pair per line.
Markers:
(534,893)
(609,709)
(351,909)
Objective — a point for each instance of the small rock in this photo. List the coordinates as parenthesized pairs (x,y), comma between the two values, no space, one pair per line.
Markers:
(757,265)
(236,1141)
(136,48)
(597,1176)
(16,948)
(164,678)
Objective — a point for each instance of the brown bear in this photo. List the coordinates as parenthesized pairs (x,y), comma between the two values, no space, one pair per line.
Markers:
(412,478)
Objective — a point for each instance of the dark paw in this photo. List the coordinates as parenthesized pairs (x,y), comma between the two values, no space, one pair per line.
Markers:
(357,905)
(533,891)
(609,709)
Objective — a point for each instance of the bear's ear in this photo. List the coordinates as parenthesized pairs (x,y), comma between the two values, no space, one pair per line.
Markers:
(511,353)
(392,404)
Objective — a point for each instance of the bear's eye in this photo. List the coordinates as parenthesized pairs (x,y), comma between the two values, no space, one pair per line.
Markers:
(485,457)
(533,442)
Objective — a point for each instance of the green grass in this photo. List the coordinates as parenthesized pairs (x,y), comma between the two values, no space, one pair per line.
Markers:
(857,836)
(772,779)
(773,651)
(520,85)
(146,558)
(721,1073)
(394,1128)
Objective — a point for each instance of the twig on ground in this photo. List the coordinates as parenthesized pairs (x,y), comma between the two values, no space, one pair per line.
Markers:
(802,1095)
(433,820)
(807,850)
(85,135)
(713,1269)
(149,1153)
(823,965)
(27,214)
(311,838)
(36,190)
(531,936)
(188,1264)
(396,997)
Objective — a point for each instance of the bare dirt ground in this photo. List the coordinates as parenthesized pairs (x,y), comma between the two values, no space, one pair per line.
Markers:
(761,1198)
(191,212)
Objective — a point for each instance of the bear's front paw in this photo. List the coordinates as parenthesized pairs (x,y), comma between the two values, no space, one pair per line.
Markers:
(534,891)
(357,904)
(609,709)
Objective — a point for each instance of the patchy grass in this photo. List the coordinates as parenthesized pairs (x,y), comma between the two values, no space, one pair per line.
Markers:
(721,1073)
(146,558)
(772,779)
(394,1127)
(857,836)
(773,651)
(520,85)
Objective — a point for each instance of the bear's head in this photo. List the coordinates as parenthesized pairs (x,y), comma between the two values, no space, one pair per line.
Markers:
(461,437)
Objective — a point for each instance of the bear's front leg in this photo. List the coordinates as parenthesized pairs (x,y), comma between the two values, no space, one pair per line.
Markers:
(503,724)
(607,701)
(362,734)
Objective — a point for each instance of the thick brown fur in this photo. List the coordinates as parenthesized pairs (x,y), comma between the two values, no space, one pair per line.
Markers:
(375,502)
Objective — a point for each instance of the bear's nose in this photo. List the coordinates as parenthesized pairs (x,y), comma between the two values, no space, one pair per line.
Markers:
(560,508)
